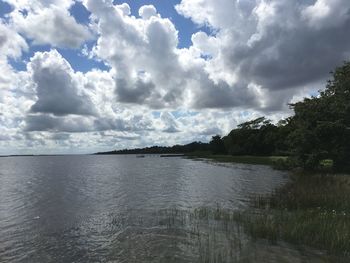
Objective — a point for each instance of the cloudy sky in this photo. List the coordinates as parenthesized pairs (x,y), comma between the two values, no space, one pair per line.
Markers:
(91,75)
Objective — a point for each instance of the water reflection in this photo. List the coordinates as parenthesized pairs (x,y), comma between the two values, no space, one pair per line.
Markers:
(125,209)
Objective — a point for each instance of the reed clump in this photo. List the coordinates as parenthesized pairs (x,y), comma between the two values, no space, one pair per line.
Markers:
(312,210)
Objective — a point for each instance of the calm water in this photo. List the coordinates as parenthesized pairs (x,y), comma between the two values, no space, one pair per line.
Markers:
(126,209)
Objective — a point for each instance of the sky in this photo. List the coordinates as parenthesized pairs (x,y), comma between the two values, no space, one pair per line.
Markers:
(96,75)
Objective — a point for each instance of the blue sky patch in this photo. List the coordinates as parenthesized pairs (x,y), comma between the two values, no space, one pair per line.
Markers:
(5,8)
(79,62)
(167,10)
(21,63)
(80,13)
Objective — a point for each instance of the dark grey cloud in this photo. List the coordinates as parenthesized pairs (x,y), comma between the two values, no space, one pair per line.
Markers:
(4,137)
(120,137)
(136,92)
(77,124)
(56,87)
(211,131)
(3,40)
(171,129)
(103,124)
(60,136)
(136,123)
(170,123)
(289,51)
(300,56)
(222,95)
(50,123)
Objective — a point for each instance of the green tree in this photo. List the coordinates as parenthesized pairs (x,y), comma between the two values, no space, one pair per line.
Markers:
(322,124)
(216,145)
(255,137)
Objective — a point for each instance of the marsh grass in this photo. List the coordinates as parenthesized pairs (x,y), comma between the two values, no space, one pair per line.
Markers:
(312,210)
(310,215)
(212,234)
(223,235)
(260,160)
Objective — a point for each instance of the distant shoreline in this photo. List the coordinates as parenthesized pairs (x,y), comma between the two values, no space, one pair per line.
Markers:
(36,155)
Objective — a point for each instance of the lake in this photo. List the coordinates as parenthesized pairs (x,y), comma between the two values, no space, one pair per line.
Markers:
(126,209)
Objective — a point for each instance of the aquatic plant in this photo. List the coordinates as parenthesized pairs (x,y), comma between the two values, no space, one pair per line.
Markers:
(310,210)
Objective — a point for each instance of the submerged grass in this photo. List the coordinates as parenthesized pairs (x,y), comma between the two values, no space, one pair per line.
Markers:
(312,210)
(211,235)
(224,235)
(246,159)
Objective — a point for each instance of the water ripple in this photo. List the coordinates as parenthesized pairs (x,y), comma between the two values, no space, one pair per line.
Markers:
(121,208)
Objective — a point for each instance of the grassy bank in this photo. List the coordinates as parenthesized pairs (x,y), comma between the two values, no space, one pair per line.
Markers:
(311,210)
(263,160)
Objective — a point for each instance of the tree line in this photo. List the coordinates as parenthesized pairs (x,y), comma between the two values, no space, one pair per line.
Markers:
(176,149)
(319,130)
